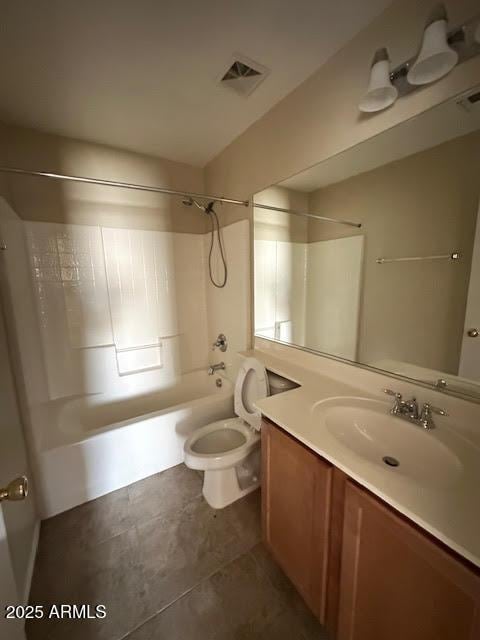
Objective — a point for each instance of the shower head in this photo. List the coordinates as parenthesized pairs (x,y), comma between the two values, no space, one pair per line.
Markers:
(189,201)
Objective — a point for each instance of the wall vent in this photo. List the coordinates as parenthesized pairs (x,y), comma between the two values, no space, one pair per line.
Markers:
(474,98)
(470,103)
(243,75)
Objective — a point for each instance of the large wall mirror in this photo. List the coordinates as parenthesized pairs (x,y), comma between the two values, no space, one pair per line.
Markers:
(400,293)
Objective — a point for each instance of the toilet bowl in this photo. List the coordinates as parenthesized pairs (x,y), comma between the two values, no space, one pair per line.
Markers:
(228,451)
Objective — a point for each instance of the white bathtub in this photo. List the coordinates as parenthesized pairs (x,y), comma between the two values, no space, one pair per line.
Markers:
(94,444)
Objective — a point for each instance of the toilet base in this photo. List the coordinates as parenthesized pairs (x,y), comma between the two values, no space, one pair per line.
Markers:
(221,487)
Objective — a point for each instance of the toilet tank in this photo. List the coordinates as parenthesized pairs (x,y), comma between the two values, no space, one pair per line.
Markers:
(279,384)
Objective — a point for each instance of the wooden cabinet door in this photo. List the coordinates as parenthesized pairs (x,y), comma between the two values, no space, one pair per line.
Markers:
(296,513)
(397,582)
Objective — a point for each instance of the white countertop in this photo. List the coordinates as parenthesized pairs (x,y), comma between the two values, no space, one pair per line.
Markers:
(450,512)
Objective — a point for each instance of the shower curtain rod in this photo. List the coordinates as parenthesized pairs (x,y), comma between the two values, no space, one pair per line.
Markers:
(169,192)
(122,185)
(308,215)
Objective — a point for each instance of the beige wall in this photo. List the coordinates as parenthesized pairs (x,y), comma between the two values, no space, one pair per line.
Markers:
(275,225)
(45,200)
(425,204)
(321,118)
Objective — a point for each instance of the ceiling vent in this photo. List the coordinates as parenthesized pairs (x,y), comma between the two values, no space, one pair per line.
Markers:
(243,75)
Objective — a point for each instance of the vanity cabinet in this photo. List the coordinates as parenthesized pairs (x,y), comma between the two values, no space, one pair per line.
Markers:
(366,571)
(296,513)
(397,582)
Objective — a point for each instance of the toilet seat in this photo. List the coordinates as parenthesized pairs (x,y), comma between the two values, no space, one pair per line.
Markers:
(251,385)
(219,445)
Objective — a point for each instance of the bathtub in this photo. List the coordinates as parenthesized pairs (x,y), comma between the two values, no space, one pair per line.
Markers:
(93,444)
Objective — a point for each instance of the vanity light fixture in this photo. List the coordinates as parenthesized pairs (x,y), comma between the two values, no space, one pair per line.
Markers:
(441,50)
(380,93)
(436,57)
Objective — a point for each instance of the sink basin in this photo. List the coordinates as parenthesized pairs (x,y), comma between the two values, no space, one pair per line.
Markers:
(366,428)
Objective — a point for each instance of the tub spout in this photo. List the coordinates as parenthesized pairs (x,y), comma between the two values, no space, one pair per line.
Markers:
(215,367)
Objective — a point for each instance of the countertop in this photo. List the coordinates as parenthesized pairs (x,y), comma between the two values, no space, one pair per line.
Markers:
(450,511)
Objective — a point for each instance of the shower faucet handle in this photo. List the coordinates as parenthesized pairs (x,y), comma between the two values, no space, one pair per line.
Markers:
(220,342)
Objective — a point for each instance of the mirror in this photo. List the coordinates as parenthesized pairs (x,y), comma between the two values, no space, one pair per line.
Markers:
(401,293)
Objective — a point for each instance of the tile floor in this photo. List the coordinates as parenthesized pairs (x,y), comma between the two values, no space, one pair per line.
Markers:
(166,566)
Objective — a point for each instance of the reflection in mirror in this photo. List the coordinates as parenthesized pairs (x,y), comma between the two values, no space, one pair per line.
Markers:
(401,293)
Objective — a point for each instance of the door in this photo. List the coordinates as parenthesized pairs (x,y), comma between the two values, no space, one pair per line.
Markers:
(296,513)
(9,629)
(397,582)
(17,518)
(470,355)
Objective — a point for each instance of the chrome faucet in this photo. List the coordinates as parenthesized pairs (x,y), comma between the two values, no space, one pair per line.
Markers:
(215,367)
(409,410)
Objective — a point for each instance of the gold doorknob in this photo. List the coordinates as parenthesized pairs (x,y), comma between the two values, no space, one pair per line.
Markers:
(16,490)
(473,333)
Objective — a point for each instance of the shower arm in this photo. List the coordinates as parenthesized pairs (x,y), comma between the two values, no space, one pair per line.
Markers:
(171,192)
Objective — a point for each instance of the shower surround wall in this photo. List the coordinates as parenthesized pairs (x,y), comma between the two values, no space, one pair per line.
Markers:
(116,302)
(306,293)
(109,295)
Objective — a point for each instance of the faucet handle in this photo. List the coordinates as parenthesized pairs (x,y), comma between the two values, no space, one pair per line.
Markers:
(398,404)
(427,407)
(220,342)
(426,420)
(389,392)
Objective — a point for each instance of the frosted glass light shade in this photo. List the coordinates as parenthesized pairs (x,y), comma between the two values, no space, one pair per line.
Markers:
(436,57)
(380,93)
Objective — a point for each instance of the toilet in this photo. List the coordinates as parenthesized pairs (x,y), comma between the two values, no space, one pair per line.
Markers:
(228,451)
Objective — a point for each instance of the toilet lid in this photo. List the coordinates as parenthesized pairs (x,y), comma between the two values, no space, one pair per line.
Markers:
(251,385)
